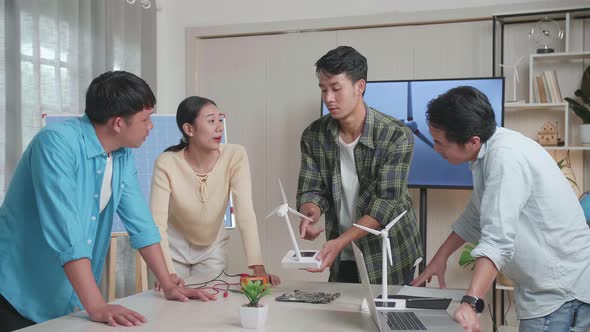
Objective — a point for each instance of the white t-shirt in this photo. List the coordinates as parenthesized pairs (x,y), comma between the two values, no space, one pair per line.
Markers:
(350,191)
(106,189)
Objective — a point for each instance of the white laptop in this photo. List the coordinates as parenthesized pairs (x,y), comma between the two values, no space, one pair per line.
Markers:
(402,320)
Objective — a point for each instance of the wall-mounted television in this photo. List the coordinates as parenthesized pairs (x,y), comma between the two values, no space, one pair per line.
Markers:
(407,100)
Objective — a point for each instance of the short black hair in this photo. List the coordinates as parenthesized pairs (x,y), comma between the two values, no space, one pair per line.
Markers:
(462,112)
(343,59)
(117,93)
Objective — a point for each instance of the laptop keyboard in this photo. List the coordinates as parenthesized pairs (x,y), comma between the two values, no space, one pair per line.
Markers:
(402,320)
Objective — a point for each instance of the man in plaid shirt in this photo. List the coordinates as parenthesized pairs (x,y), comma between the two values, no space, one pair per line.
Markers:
(354,168)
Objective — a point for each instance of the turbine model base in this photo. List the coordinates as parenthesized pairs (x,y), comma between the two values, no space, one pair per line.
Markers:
(290,260)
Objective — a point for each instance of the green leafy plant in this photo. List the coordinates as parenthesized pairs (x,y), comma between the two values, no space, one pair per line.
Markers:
(582,107)
(254,291)
(563,163)
(466,259)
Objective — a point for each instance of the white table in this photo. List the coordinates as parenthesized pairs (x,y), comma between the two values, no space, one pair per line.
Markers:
(342,314)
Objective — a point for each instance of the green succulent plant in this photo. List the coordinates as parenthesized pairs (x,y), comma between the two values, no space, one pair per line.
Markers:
(254,291)
(582,106)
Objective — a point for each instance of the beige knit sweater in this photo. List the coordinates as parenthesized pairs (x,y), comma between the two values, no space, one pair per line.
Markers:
(197,210)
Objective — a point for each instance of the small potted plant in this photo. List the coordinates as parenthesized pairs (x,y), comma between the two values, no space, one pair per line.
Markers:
(582,106)
(254,314)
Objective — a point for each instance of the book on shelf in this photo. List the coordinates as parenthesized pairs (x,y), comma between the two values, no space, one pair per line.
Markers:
(535,91)
(550,91)
(546,88)
(558,96)
(549,87)
(541,90)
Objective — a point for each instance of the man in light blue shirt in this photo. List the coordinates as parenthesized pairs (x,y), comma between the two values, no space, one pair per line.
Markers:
(523,212)
(56,218)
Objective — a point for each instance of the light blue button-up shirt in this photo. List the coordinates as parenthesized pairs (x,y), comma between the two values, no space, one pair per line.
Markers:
(51,216)
(528,221)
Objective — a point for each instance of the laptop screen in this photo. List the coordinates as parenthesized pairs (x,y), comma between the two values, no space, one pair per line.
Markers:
(360,263)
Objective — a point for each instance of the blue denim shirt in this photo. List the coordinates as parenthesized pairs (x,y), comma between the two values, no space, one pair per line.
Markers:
(528,221)
(50,216)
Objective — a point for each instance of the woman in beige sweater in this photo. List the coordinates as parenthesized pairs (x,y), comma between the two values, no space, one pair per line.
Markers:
(191,185)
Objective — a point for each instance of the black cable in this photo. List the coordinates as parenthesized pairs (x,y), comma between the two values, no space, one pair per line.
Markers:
(505,322)
(204,283)
(232,275)
(494,327)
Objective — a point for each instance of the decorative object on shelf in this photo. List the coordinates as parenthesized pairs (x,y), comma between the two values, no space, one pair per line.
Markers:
(582,107)
(515,79)
(253,315)
(546,33)
(549,135)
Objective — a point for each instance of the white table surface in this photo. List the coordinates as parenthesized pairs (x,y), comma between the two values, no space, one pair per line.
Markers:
(342,314)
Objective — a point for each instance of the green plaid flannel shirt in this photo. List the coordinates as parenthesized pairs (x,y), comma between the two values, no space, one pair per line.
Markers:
(382,156)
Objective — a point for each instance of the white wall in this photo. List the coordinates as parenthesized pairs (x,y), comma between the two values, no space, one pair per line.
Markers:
(175,16)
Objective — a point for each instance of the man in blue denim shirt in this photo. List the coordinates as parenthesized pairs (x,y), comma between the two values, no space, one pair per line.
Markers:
(523,212)
(56,218)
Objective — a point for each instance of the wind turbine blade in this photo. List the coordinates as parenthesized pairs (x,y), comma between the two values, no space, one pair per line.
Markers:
(388,250)
(516,75)
(295,212)
(518,60)
(367,229)
(409,102)
(423,138)
(394,221)
(283,192)
(273,212)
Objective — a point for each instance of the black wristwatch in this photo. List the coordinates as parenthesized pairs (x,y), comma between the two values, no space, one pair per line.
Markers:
(476,303)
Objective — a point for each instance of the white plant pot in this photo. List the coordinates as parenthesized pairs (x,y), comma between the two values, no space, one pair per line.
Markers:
(585,134)
(253,317)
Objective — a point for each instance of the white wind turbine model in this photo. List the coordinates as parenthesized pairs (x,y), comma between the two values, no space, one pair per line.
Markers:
(515,79)
(384,233)
(294,258)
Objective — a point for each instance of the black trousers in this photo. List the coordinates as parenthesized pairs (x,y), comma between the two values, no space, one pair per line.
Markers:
(10,319)
(349,273)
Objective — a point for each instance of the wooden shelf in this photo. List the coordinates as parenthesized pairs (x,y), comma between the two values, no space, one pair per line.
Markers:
(517,116)
(566,148)
(558,57)
(516,107)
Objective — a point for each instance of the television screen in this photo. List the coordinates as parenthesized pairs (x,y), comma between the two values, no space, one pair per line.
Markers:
(407,100)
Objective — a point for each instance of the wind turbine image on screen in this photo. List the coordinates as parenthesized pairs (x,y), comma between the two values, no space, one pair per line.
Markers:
(407,101)
(409,121)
